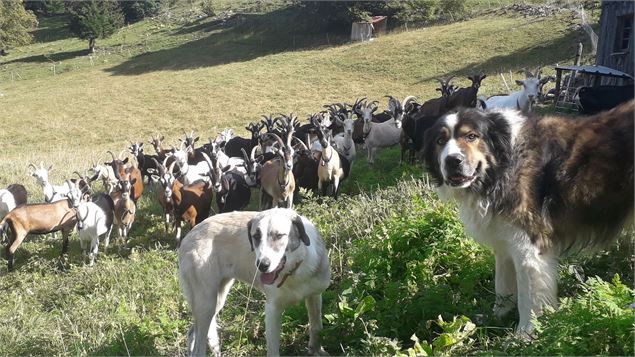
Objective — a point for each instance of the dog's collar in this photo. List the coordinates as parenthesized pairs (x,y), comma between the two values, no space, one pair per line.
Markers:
(284,278)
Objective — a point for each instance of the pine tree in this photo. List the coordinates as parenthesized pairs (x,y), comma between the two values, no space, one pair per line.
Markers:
(92,20)
(15,24)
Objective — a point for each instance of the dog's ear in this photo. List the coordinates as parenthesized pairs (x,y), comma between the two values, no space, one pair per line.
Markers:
(251,240)
(299,225)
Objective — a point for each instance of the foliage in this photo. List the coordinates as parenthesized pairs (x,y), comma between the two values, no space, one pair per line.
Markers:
(91,20)
(45,7)
(15,24)
(208,8)
(597,322)
(425,11)
(455,336)
(136,10)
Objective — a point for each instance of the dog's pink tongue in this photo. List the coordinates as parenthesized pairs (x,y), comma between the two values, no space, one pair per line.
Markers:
(268,278)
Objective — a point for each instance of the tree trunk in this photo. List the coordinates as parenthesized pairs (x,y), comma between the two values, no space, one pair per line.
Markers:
(91,45)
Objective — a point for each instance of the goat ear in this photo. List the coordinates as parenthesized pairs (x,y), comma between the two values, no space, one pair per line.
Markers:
(226,168)
(125,161)
(251,240)
(154,178)
(483,76)
(133,181)
(50,168)
(140,145)
(299,226)
(195,140)
(519,82)
(151,171)
(162,138)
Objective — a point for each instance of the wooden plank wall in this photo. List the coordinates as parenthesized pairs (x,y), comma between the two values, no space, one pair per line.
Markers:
(611,10)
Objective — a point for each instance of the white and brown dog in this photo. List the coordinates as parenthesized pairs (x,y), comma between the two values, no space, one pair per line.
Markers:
(285,251)
(533,189)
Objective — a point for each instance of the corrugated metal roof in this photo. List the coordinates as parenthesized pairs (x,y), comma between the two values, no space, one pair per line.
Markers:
(601,70)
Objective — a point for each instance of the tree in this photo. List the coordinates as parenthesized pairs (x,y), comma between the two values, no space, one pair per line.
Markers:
(93,19)
(15,24)
(136,10)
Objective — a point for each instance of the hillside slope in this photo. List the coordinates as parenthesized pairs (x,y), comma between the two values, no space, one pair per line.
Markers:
(207,78)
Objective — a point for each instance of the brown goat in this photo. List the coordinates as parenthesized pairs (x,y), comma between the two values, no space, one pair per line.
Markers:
(37,219)
(127,173)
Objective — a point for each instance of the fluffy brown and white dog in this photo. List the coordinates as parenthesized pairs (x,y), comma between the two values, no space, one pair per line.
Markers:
(533,189)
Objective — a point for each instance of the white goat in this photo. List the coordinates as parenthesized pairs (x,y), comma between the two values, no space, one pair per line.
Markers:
(381,135)
(52,193)
(106,174)
(7,202)
(190,173)
(93,223)
(522,100)
(235,163)
(343,142)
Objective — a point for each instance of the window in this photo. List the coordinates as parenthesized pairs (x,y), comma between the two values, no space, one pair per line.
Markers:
(624,33)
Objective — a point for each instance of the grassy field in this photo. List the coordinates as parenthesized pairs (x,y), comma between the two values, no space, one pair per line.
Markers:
(393,246)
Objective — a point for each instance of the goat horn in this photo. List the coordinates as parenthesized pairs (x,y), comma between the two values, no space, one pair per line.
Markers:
(253,153)
(275,136)
(121,154)
(33,166)
(447,81)
(111,154)
(245,157)
(301,143)
(78,174)
(407,100)
(171,168)
(159,166)
(209,161)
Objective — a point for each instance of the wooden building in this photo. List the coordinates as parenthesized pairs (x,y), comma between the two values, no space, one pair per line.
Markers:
(616,40)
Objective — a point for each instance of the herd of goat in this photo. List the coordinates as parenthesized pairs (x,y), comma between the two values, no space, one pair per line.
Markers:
(280,157)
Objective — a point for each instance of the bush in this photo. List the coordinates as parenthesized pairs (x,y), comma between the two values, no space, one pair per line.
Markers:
(136,10)
(404,265)
(207,6)
(598,322)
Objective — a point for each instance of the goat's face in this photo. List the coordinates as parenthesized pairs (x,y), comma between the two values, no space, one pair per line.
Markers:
(74,195)
(368,124)
(348,126)
(286,155)
(531,87)
(180,156)
(273,235)
(41,175)
(168,181)
(136,149)
(367,110)
(125,186)
(156,143)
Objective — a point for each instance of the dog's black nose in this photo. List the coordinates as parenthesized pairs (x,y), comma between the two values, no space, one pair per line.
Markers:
(454,160)
(263,264)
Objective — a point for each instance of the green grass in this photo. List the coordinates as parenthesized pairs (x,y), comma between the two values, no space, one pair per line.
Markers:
(393,245)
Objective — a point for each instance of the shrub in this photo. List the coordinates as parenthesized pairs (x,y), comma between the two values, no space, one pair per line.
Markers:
(136,10)
(207,6)
(597,322)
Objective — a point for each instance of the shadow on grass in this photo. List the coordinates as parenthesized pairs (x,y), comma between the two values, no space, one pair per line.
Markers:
(52,28)
(547,53)
(53,57)
(242,38)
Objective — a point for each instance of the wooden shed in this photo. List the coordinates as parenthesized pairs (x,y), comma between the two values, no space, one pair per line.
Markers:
(616,40)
